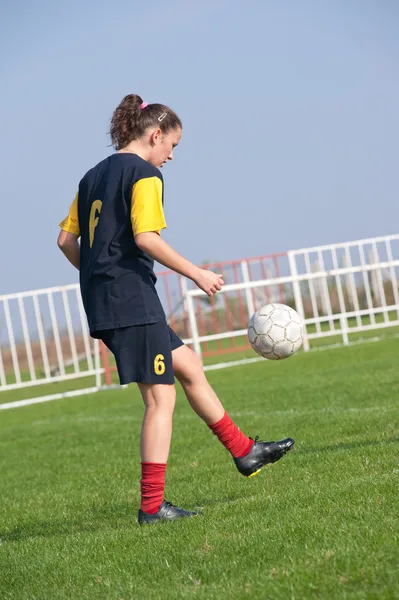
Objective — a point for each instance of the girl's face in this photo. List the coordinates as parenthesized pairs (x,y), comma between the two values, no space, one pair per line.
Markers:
(162,146)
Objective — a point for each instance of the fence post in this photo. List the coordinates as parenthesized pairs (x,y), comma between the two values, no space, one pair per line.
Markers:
(318,285)
(248,292)
(298,296)
(192,319)
(374,278)
(341,300)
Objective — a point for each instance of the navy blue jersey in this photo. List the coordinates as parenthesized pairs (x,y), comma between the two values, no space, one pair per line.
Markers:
(117,199)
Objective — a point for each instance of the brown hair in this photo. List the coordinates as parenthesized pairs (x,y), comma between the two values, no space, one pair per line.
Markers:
(129,121)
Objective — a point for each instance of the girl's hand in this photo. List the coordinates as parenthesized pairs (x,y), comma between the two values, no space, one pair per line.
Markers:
(208,281)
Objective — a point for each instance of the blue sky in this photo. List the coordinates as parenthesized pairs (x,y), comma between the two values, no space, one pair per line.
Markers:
(290,113)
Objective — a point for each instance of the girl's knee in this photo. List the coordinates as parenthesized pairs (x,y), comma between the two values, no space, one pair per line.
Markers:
(158,397)
(160,406)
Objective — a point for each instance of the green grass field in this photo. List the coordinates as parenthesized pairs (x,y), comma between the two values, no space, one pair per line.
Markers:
(322,523)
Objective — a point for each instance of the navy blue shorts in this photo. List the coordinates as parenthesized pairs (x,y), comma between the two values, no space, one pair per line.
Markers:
(143,353)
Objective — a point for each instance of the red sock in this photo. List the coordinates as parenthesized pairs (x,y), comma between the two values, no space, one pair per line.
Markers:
(231,437)
(152,486)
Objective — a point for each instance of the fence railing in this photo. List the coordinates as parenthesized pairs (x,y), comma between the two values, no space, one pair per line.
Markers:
(348,287)
(338,289)
(44,339)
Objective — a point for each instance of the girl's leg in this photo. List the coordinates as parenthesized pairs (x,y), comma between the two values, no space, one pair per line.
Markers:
(189,371)
(156,431)
(249,455)
(156,434)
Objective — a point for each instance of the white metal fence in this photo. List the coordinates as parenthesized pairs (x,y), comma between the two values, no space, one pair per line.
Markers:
(352,287)
(339,289)
(44,339)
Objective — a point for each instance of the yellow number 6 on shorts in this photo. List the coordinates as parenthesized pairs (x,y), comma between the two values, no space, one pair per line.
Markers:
(159,365)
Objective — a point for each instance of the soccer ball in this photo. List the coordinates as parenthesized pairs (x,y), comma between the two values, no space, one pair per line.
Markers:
(275,331)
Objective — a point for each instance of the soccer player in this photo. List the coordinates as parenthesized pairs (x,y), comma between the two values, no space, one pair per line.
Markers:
(118,214)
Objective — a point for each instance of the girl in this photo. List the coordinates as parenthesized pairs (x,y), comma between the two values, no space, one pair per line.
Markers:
(118,215)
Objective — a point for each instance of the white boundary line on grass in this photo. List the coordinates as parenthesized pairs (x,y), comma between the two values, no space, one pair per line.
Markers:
(355,343)
(246,361)
(48,398)
(225,365)
(232,363)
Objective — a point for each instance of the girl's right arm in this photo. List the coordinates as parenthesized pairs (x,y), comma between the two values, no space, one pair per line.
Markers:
(151,243)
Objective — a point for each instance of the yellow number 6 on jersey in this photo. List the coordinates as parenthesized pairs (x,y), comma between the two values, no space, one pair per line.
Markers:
(95,208)
(159,365)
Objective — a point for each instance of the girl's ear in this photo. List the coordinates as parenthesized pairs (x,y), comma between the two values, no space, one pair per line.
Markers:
(155,137)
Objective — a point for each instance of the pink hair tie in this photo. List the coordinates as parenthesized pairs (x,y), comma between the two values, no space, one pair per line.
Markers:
(143,105)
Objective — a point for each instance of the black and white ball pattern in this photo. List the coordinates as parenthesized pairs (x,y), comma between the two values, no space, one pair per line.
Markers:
(275,331)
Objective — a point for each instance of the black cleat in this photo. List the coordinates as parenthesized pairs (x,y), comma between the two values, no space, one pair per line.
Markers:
(261,454)
(166,512)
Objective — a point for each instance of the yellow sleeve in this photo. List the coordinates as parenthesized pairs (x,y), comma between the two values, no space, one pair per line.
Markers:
(71,223)
(147,210)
